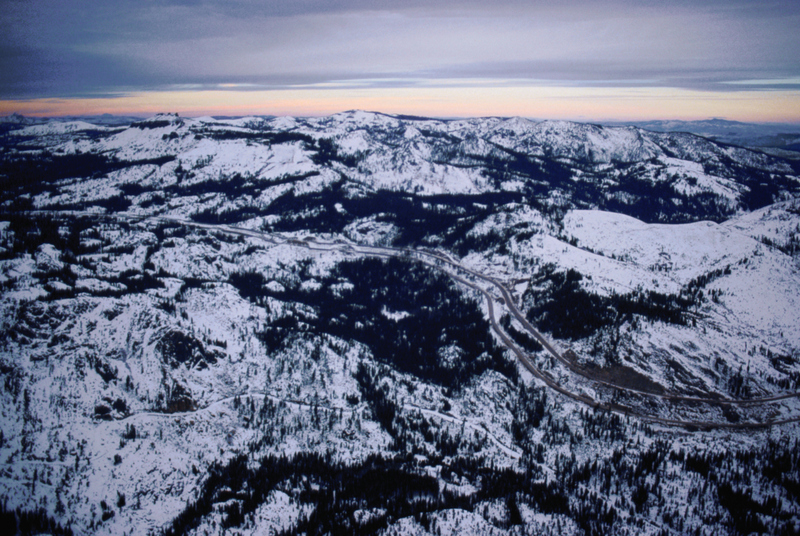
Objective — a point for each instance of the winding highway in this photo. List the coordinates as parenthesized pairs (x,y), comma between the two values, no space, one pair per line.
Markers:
(482,283)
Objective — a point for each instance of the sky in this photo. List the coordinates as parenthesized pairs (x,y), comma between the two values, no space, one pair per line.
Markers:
(592,60)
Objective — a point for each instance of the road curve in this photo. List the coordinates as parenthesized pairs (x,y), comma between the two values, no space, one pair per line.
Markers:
(435,260)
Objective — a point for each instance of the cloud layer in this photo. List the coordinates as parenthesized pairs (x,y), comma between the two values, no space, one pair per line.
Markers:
(93,48)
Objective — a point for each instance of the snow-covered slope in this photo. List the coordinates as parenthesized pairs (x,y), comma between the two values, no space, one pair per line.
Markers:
(162,374)
(587,164)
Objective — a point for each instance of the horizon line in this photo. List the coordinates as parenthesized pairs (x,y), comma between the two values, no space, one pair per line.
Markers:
(599,105)
(401,116)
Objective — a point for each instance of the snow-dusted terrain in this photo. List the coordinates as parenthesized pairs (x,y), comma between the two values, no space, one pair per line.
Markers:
(775,138)
(338,368)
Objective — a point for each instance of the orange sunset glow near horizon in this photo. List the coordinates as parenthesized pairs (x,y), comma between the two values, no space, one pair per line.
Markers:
(574,104)
(581,60)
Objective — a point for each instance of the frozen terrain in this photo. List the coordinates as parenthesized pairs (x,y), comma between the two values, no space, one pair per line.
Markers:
(300,325)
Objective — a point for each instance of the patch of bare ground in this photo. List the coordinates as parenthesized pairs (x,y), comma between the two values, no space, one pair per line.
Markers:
(617,375)
(624,377)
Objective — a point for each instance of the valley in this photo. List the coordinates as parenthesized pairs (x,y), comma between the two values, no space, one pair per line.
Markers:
(371,324)
(505,300)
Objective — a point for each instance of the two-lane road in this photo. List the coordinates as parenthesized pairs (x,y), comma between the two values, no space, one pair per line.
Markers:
(478,282)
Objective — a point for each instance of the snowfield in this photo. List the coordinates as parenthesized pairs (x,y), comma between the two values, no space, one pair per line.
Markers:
(305,325)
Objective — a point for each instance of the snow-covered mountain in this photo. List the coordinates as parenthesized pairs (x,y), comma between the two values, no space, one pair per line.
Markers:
(306,325)
(774,138)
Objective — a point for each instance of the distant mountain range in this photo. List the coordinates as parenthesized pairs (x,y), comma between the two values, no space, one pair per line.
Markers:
(782,136)
(779,139)
(378,324)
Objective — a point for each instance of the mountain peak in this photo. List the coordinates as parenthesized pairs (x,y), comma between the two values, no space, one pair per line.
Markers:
(160,120)
(16,118)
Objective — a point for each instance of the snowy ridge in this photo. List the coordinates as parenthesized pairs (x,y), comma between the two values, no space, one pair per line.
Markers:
(259,324)
(60,128)
(417,155)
